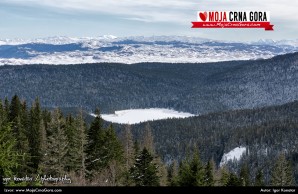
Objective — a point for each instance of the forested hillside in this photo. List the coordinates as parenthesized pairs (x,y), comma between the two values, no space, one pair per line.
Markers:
(196,88)
(265,132)
(47,145)
(249,104)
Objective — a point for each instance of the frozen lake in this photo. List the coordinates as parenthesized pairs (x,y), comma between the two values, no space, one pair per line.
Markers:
(133,116)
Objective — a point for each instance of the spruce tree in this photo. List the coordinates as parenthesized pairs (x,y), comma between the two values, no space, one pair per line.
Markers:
(57,146)
(148,140)
(233,180)
(224,176)
(43,147)
(103,147)
(128,145)
(18,120)
(259,179)
(244,175)
(6,108)
(75,157)
(24,115)
(136,147)
(144,172)
(9,157)
(148,143)
(191,173)
(34,135)
(22,145)
(112,149)
(72,157)
(112,159)
(17,116)
(173,174)
(3,116)
(185,174)
(162,171)
(82,128)
(129,158)
(282,174)
(96,140)
(14,108)
(209,173)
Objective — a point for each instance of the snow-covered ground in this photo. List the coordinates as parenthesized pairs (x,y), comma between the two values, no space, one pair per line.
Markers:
(234,154)
(133,116)
(170,49)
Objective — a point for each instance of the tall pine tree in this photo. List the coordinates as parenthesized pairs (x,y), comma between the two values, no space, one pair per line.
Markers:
(209,173)
(82,129)
(18,120)
(72,157)
(95,145)
(244,175)
(128,145)
(282,173)
(34,135)
(148,140)
(224,176)
(173,174)
(9,156)
(233,180)
(57,146)
(192,173)
(259,179)
(144,172)
(112,148)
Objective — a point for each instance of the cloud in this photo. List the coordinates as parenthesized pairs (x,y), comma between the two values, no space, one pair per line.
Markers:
(166,10)
(144,10)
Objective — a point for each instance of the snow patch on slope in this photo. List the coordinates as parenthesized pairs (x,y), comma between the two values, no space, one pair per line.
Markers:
(234,154)
(133,116)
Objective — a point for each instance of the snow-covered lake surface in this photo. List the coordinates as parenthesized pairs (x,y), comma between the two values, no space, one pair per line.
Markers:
(133,116)
(234,154)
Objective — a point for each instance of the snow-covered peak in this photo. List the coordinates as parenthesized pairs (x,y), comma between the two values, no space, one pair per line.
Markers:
(185,39)
(109,37)
(293,43)
(266,41)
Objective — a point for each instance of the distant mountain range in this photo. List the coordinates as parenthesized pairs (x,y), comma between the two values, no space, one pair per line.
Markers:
(194,88)
(170,49)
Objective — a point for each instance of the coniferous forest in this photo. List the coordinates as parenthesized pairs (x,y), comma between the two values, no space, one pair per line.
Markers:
(46,140)
(68,149)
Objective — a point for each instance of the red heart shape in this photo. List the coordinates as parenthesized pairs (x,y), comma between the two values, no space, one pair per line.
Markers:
(203,16)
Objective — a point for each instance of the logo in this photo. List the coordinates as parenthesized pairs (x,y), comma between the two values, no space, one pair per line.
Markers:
(233,19)
(203,16)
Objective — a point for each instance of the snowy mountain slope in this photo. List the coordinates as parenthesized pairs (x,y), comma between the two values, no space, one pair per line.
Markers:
(172,49)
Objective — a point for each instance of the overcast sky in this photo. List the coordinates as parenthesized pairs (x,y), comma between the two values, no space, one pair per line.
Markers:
(81,18)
